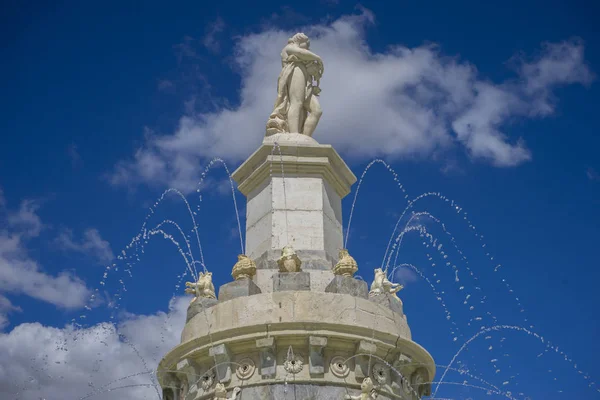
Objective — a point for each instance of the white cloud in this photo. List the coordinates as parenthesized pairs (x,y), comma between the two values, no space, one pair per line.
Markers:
(91,244)
(35,359)
(403,103)
(212,30)
(21,274)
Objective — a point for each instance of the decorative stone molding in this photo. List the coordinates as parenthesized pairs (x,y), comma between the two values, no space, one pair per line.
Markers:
(293,364)
(380,373)
(222,359)
(339,367)
(245,369)
(244,268)
(268,361)
(363,350)
(207,380)
(316,344)
(346,266)
(419,382)
(187,372)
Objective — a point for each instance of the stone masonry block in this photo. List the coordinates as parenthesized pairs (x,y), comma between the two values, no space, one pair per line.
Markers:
(220,354)
(268,361)
(316,345)
(239,288)
(364,348)
(348,285)
(201,304)
(388,300)
(284,281)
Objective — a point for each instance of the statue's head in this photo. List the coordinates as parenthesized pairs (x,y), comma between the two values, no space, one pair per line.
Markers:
(301,40)
(379,272)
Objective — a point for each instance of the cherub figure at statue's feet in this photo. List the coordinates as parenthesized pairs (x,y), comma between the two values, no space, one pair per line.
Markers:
(367,391)
(221,392)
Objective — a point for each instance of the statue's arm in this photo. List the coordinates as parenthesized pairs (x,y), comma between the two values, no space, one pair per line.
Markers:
(302,54)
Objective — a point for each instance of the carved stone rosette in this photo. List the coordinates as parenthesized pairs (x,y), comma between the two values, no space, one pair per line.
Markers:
(294,364)
(346,266)
(244,268)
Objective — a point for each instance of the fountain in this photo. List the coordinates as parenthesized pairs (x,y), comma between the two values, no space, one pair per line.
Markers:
(297,320)
(302,317)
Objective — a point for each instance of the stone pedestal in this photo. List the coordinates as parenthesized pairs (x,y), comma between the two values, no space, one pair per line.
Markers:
(389,301)
(284,281)
(348,285)
(294,191)
(239,288)
(199,305)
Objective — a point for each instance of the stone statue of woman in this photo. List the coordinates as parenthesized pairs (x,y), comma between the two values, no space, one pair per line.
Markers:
(297,107)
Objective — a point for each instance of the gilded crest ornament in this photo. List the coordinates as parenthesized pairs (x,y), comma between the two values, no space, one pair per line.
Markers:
(346,265)
(289,260)
(244,268)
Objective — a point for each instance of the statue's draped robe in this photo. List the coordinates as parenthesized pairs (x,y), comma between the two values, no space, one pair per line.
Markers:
(278,120)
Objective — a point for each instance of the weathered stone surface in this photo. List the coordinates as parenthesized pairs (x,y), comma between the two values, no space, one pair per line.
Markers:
(388,300)
(316,344)
(268,358)
(363,350)
(222,358)
(294,198)
(348,285)
(300,392)
(199,305)
(239,288)
(285,281)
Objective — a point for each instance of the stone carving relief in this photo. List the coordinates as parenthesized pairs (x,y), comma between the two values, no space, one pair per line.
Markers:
(244,268)
(382,285)
(297,108)
(203,288)
(380,373)
(289,260)
(346,265)
(367,391)
(293,364)
(221,392)
(207,380)
(419,382)
(339,367)
(245,369)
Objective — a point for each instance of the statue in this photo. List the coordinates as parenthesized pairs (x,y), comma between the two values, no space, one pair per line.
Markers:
(221,392)
(381,285)
(203,288)
(367,391)
(244,268)
(289,260)
(346,265)
(297,108)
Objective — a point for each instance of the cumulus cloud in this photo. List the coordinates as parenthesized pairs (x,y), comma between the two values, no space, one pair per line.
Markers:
(41,362)
(21,274)
(402,103)
(91,245)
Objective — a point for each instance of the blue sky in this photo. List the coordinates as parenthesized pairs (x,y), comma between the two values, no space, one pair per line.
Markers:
(492,105)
